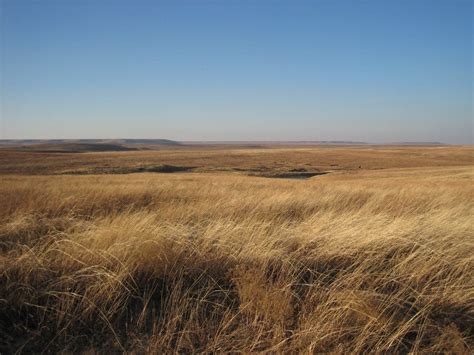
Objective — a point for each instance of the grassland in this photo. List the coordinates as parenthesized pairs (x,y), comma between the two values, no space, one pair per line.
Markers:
(375,255)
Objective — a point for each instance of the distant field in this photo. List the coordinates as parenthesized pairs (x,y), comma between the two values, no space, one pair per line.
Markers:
(236,159)
(201,249)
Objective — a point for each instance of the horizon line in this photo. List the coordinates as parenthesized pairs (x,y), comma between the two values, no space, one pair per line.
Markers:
(270,141)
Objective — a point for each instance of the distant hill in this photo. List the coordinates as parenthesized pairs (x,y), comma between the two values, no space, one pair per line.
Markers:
(73,147)
(147,141)
(86,141)
(416,143)
(83,145)
(278,142)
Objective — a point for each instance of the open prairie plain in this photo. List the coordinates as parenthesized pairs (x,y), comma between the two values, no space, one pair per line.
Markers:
(238,249)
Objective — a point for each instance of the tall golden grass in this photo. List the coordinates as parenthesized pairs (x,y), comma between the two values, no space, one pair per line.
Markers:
(370,261)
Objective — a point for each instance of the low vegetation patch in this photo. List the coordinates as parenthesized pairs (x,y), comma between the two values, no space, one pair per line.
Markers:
(129,170)
(300,175)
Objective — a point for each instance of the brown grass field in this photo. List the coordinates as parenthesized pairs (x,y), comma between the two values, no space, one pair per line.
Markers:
(111,252)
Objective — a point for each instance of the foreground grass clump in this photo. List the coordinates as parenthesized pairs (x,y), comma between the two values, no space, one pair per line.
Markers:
(219,263)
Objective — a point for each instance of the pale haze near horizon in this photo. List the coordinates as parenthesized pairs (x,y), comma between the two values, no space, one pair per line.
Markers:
(374,71)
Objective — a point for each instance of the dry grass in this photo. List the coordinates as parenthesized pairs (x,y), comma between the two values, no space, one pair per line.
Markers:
(219,262)
(223,158)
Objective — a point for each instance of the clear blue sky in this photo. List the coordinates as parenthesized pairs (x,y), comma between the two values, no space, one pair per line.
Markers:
(369,70)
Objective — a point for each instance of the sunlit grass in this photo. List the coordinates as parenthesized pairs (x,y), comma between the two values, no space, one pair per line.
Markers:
(372,261)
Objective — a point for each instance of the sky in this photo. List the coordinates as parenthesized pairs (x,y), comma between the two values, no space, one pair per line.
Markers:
(360,70)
